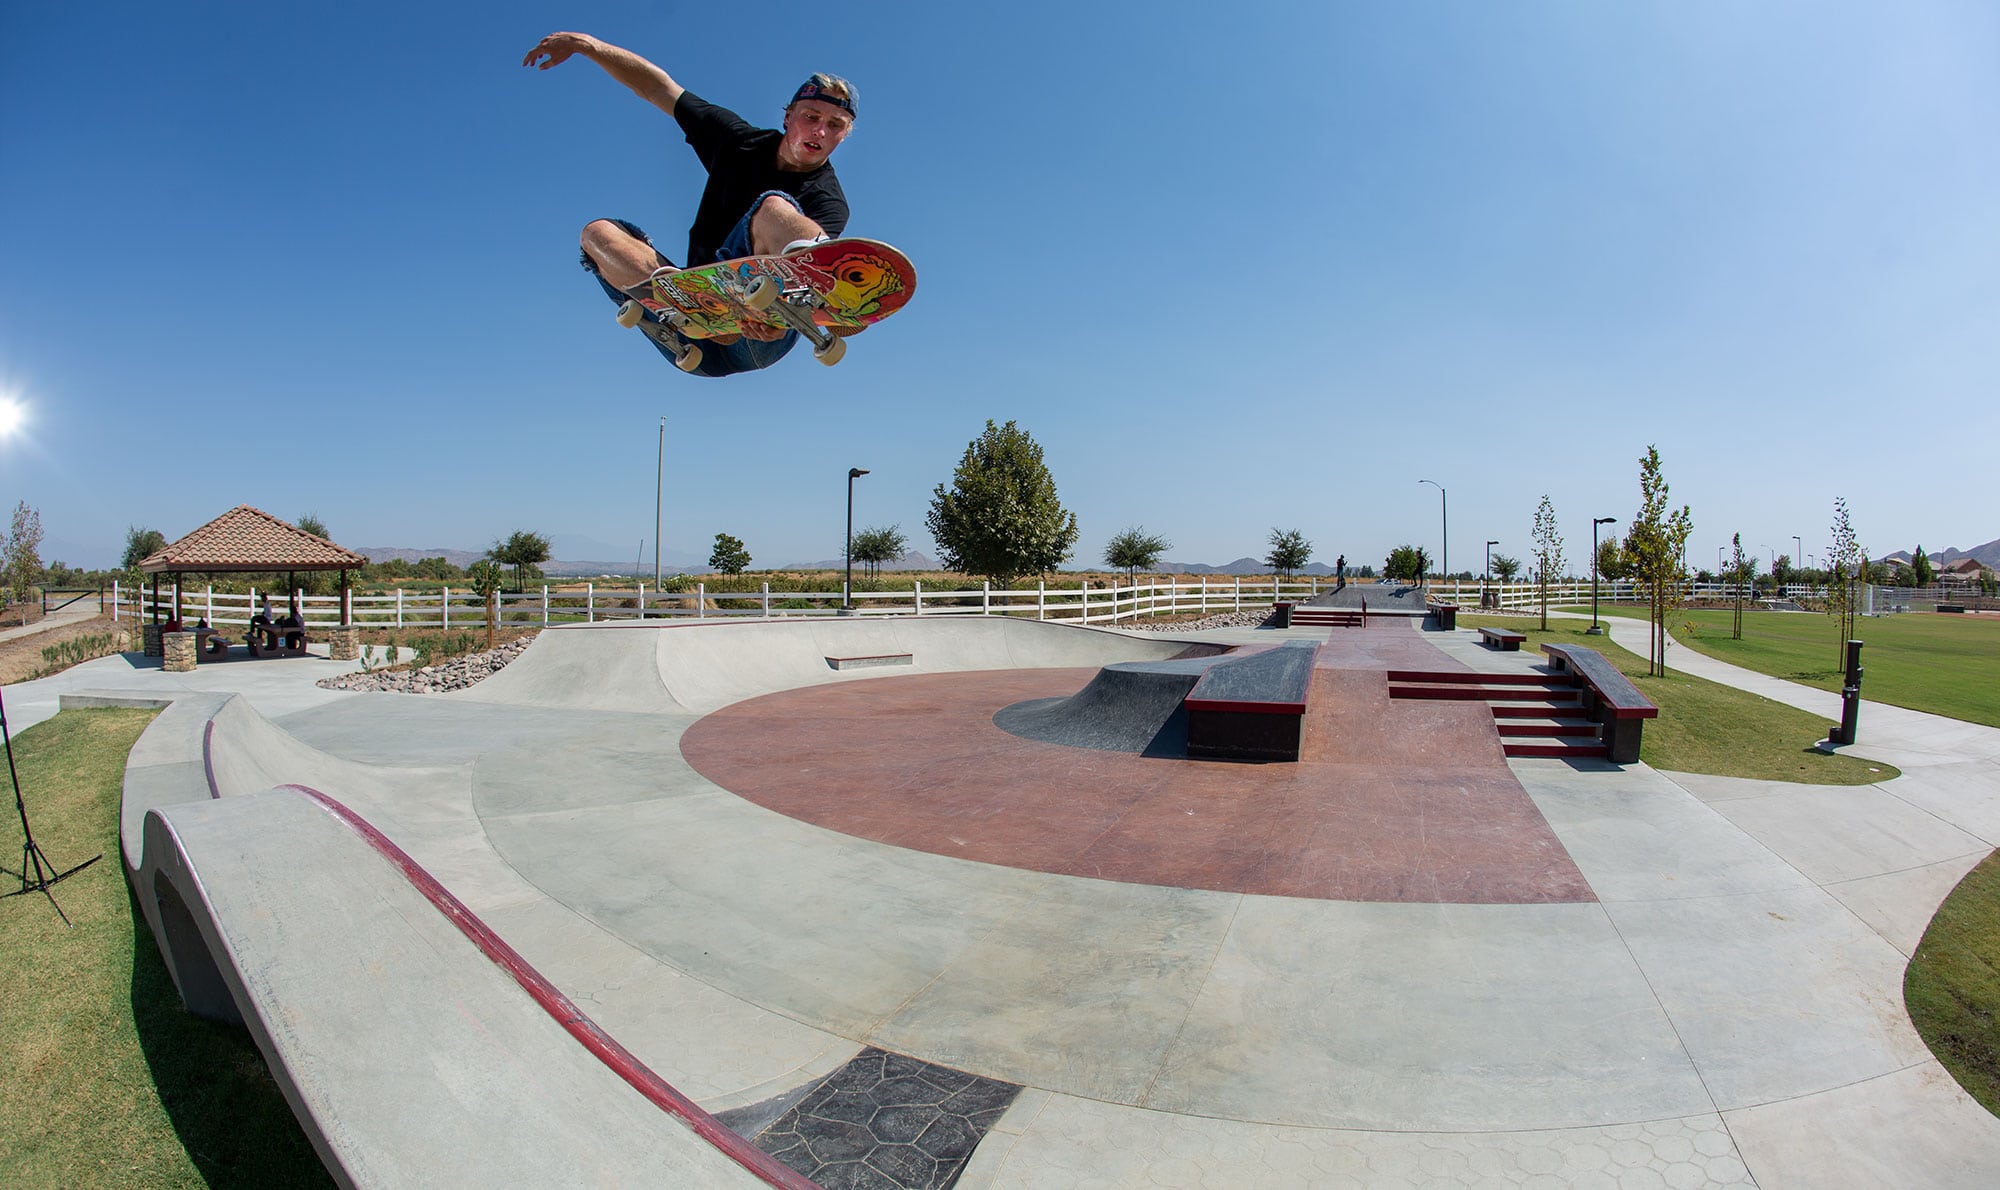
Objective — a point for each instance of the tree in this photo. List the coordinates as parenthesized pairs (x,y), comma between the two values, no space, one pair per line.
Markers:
(23,551)
(141,544)
(1289,551)
(523,550)
(1406,563)
(1921,568)
(1847,567)
(1611,564)
(1002,517)
(314,582)
(1549,559)
(1134,550)
(1505,568)
(874,546)
(728,556)
(1742,569)
(487,579)
(1655,547)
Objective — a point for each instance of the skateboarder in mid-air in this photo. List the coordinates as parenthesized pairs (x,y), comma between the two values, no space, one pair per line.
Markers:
(769,191)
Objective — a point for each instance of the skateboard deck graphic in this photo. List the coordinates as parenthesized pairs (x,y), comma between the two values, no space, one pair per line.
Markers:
(840,285)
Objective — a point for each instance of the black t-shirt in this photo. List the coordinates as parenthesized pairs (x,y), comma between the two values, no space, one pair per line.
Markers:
(742,163)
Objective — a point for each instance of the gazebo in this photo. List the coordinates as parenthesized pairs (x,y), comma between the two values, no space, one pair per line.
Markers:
(250,540)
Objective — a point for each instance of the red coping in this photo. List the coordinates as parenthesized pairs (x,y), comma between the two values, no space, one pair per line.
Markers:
(622,1061)
(1391,800)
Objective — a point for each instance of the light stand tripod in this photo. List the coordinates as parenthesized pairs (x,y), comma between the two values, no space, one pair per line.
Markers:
(33,861)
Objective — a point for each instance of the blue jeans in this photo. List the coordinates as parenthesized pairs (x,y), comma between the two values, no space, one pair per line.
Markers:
(717,359)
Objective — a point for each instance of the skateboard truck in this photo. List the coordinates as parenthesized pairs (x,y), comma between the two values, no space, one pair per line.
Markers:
(794,308)
(687,357)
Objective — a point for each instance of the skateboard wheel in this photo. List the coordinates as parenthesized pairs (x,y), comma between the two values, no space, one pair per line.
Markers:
(763,291)
(630,313)
(690,359)
(831,353)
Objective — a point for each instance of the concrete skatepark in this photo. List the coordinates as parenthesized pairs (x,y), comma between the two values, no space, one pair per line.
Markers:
(549,929)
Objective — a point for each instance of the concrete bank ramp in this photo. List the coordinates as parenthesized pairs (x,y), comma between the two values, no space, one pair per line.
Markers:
(699,667)
(1130,706)
(414,1046)
(409,1057)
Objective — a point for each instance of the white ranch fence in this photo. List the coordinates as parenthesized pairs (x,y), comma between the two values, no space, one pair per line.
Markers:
(459,607)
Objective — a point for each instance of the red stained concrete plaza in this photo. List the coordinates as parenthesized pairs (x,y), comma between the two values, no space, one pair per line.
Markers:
(1392,800)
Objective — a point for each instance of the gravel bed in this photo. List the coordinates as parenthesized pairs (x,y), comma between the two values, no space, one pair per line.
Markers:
(460,673)
(1208,623)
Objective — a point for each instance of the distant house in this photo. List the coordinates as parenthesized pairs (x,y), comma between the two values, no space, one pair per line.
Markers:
(1962,573)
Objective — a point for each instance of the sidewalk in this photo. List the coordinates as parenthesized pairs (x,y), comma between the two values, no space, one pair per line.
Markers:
(75,613)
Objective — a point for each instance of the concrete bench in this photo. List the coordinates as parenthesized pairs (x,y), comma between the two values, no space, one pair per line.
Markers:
(1251,707)
(1505,639)
(1446,613)
(1609,698)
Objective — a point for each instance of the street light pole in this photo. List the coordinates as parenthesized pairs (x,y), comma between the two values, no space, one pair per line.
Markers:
(1595,629)
(659,488)
(1444,528)
(847,589)
(1798,552)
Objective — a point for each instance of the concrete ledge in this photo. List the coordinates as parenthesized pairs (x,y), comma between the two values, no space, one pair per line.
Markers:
(87,701)
(878,661)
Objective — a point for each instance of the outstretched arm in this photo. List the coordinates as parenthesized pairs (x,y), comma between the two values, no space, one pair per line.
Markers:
(646,80)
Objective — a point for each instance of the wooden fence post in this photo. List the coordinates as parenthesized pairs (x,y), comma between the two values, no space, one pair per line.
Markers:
(919,589)
(766,596)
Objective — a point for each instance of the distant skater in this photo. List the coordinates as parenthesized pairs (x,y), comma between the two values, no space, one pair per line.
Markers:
(770,191)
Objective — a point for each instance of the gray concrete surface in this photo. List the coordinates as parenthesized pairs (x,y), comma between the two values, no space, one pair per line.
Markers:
(1730,1007)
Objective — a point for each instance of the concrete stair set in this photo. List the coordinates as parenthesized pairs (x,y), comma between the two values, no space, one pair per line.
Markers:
(1536,714)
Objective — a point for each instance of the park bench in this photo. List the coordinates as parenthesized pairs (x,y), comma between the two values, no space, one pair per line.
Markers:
(1251,707)
(1952,607)
(1504,638)
(1610,699)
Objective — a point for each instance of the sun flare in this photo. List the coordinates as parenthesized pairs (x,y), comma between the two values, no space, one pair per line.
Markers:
(11,415)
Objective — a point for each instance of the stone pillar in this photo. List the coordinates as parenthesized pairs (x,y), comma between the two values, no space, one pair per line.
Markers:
(344,643)
(152,644)
(178,648)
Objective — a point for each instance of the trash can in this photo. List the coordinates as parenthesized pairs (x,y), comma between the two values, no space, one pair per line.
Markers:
(1281,615)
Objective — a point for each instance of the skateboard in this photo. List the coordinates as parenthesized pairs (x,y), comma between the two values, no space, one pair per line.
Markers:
(822,291)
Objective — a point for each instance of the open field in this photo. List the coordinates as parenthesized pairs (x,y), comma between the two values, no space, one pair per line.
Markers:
(1705,727)
(1945,665)
(109,1082)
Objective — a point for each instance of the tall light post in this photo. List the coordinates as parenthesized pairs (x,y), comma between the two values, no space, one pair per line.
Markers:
(659,489)
(1595,629)
(1444,528)
(847,590)
(1486,575)
(1772,556)
(1798,552)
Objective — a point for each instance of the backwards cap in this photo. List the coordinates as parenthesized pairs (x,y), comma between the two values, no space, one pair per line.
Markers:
(827,88)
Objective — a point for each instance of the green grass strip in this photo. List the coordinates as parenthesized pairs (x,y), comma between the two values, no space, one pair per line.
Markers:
(1943,665)
(1952,986)
(1706,727)
(107,1079)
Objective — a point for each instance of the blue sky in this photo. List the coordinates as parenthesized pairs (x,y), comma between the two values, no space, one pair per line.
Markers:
(1235,267)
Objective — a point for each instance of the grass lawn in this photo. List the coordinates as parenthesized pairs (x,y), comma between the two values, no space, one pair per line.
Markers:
(107,1080)
(1946,665)
(1952,987)
(1705,727)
